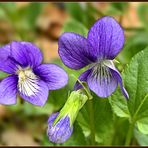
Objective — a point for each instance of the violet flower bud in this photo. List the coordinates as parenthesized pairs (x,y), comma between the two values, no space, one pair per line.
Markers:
(60,124)
(61,131)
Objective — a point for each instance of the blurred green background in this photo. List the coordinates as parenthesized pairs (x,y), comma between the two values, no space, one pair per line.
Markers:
(42,24)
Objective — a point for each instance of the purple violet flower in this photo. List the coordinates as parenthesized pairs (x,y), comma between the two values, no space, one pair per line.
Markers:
(28,77)
(104,41)
(61,131)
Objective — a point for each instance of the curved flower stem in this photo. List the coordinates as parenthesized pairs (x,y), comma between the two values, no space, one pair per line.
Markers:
(90,109)
(85,87)
(91,118)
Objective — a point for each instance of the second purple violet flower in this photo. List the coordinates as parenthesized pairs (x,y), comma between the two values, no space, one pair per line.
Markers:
(104,41)
(28,76)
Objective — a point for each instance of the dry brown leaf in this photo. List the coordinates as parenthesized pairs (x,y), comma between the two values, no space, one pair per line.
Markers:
(49,48)
(2,111)
(131,19)
(51,20)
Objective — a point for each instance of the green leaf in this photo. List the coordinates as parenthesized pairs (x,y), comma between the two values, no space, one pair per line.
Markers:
(103,121)
(120,131)
(142,13)
(133,45)
(119,106)
(141,138)
(143,125)
(135,79)
(83,120)
(74,26)
(58,97)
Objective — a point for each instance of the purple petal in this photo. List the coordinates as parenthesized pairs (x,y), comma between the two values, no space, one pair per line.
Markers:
(106,38)
(117,75)
(52,117)
(74,50)
(82,77)
(4,52)
(26,53)
(7,64)
(8,90)
(53,75)
(35,93)
(61,131)
(100,86)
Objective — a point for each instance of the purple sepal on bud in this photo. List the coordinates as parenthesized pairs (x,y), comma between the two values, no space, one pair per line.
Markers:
(61,131)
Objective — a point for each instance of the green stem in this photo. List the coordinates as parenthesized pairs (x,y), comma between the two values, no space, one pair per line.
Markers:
(129,134)
(134,117)
(91,111)
(116,128)
(91,116)
(131,127)
(85,87)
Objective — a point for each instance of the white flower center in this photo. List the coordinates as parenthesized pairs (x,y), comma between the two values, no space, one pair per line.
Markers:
(27,81)
(102,72)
